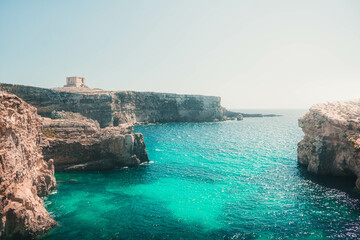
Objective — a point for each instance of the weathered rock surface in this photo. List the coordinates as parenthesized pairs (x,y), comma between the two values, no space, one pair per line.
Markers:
(111,108)
(332,138)
(77,143)
(24,175)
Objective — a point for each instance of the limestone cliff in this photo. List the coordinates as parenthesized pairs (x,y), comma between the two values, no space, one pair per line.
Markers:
(111,108)
(77,143)
(332,139)
(24,175)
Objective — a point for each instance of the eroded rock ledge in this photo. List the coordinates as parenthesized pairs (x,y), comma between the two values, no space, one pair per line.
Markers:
(77,143)
(332,139)
(24,175)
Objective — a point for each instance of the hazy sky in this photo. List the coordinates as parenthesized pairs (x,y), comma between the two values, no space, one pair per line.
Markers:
(254,54)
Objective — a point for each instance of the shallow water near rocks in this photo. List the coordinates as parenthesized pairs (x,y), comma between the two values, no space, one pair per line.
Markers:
(226,180)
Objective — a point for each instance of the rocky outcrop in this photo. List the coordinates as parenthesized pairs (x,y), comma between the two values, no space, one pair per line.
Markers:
(111,108)
(24,175)
(331,142)
(230,115)
(239,116)
(77,143)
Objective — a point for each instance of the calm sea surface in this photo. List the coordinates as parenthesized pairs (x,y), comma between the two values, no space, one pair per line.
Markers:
(226,180)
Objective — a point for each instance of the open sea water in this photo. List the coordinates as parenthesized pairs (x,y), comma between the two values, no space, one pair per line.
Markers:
(224,180)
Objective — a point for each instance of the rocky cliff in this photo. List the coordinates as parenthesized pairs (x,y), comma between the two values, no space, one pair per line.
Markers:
(331,144)
(24,175)
(111,108)
(77,143)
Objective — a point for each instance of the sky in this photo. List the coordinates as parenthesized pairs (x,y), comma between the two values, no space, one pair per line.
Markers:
(253,54)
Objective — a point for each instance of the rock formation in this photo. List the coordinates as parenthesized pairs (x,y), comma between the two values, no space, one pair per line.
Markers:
(331,144)
(230,115)
(77,143)
(111,108)
(24,175)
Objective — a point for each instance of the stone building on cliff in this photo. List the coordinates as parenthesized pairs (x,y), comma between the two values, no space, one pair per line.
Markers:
(75,82)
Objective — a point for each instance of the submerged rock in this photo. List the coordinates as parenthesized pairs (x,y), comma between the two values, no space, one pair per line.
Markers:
(24,175)
(331,142)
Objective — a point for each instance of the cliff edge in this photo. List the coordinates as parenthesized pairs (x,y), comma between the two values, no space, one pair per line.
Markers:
(24,175)
(111,108)
(331,144)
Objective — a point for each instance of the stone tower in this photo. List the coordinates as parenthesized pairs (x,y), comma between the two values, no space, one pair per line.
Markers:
(75,82)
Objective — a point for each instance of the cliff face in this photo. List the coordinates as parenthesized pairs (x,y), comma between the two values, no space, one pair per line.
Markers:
(111,108)
(165,107)
(24,175)
(332,139)
(80,144)
(95,106)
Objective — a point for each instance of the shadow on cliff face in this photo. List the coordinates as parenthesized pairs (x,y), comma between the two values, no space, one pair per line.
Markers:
(342,183)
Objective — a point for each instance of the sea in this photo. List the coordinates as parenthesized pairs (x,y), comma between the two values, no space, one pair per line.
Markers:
(219,180)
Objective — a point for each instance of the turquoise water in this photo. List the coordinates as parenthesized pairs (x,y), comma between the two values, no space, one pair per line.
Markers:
(227,180)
